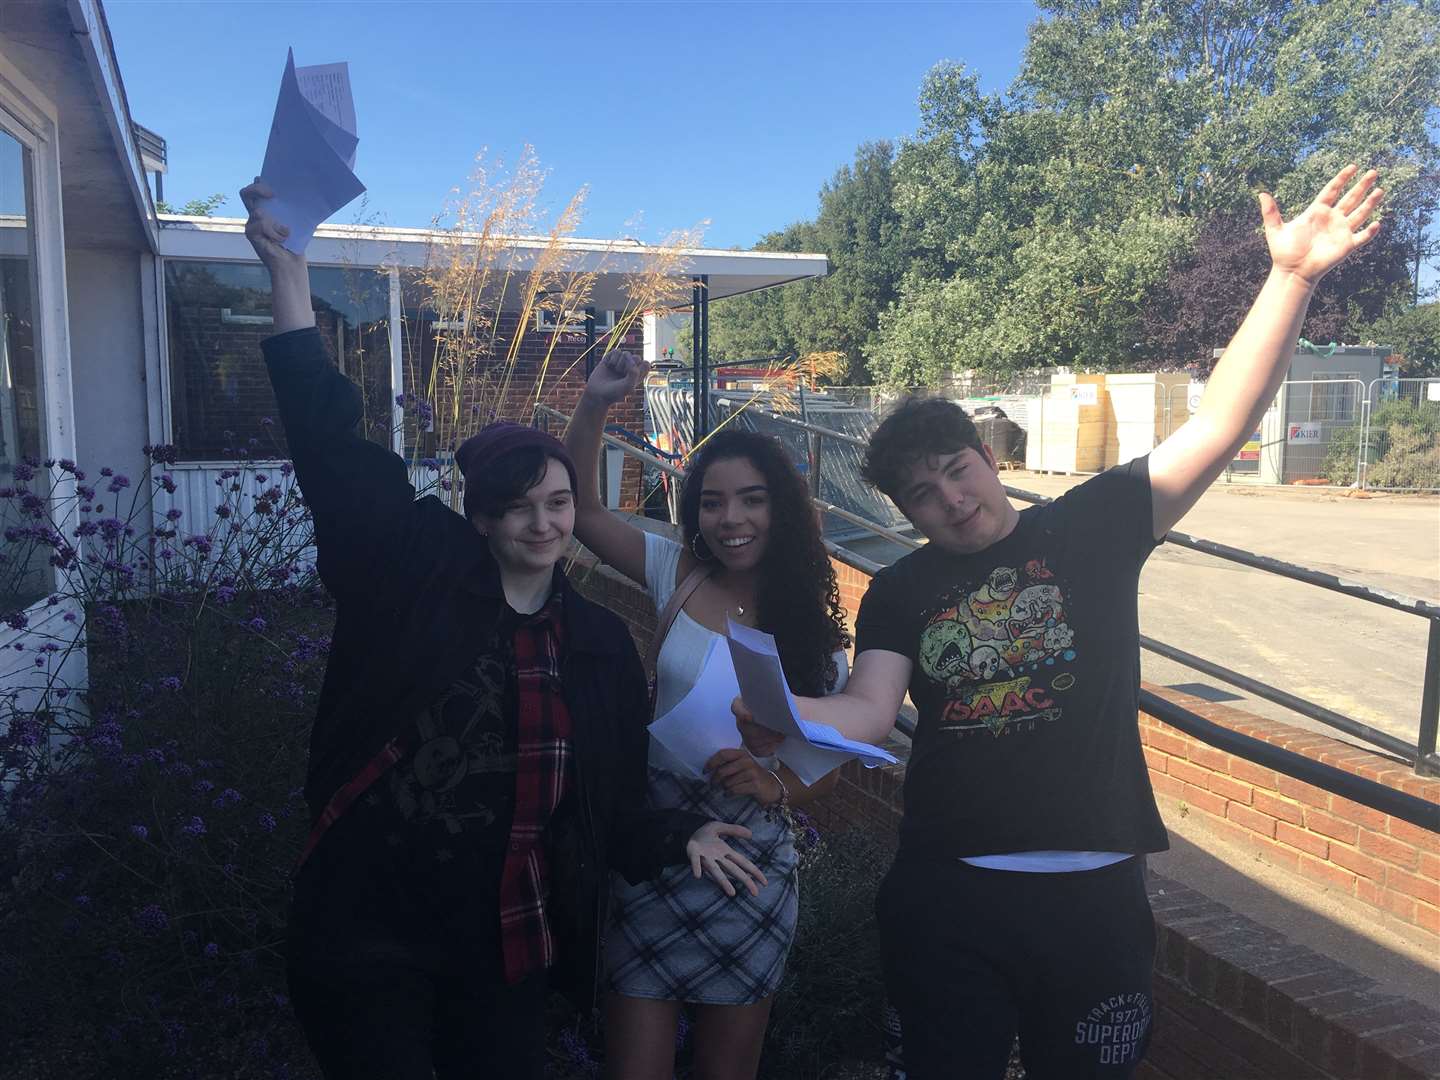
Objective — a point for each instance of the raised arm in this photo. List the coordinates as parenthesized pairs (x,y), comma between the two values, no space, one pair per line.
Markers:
(1253,365)
(620,545)
(359,494)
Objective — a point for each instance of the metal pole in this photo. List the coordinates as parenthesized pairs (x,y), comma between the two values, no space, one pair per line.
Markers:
(704,356)
(589,341)
(1425,762)
(697,374)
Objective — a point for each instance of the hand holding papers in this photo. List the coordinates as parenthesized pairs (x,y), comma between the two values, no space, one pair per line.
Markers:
(701,723)
(811,750)
(311,152)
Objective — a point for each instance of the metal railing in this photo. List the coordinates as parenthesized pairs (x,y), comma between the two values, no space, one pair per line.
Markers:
(1420,755)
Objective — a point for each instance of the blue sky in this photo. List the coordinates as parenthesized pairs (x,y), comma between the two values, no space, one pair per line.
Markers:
(678,112)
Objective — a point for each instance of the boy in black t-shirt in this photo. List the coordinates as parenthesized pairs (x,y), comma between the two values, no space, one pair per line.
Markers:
(1017,902)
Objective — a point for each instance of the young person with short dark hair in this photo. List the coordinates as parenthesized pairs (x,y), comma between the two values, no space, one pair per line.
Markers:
(1017,904)
(477,765)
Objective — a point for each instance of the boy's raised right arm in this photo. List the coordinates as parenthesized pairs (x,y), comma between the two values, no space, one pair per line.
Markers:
(359,493)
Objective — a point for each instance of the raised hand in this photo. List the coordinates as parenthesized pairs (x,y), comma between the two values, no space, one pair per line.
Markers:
(1328,230)
(289,273)
(615,377)
(710,854)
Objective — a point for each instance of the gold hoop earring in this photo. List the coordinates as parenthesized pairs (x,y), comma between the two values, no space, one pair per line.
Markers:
(696,539)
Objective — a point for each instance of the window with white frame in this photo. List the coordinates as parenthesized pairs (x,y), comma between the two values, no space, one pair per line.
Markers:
(548,322)
(25,573)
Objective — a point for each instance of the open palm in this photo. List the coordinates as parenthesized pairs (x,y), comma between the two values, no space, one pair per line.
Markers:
(1328,230)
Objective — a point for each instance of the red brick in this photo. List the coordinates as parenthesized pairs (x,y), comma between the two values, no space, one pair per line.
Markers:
(1201,799)
(1327,874)
(1413,834)
(1253,820)
(1189,772)
(1302,839)
(1157,760)
(1255,774)
(1276,807)
(1305,793)
(1321,822)
(1397,903)
(1382,772)
(1231,832)
(1430,866)
(1168,785)
(1286,858)
(1371,892)
(1210,758)
(1427,918)
(1422,787)
(1166,741)
(1234,790)
(1410,885)
(1388,848)
(1363,865)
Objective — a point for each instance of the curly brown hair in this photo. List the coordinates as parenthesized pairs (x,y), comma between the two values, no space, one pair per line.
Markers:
(798,599)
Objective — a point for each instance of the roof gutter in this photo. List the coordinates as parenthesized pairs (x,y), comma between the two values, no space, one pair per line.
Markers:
(87,19)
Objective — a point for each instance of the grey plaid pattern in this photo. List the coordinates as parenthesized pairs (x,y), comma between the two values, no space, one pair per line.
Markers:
(680,938)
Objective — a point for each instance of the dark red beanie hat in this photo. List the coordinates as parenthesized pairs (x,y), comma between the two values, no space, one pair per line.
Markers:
(493,441)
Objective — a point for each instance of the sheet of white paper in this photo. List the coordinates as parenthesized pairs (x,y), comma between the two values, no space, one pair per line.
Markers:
(701,723)
(309,157)
(810,750)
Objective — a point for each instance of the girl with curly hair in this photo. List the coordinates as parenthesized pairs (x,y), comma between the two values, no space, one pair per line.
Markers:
(752,553)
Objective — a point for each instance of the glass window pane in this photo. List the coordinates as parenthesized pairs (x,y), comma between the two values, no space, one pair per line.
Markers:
(218,313)
(25,573)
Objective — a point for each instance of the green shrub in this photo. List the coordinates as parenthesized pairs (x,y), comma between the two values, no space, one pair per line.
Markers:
(1400,451)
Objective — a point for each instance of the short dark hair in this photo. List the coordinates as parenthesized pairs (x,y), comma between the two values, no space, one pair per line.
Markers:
(490,490)
(917,429)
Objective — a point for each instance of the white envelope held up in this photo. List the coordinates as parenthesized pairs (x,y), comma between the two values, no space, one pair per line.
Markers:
(311,152)
(811,750)
(701,723)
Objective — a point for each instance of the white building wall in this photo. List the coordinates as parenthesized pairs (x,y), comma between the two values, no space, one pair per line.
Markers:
(108,360)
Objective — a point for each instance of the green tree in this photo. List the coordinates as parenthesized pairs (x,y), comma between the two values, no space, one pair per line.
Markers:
(195,207)
(859,229)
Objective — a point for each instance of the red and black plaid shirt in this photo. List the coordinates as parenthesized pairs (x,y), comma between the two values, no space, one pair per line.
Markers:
(542,773)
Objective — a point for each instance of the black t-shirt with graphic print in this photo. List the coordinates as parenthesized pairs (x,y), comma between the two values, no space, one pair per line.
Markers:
(1026,679)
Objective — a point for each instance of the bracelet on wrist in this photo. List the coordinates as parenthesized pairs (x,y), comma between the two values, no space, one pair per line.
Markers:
(781,806)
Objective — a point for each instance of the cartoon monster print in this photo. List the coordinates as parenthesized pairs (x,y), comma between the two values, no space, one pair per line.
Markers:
(990,604)
(945,648)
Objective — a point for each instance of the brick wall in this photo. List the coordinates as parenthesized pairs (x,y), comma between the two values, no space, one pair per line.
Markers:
(560,379)
(1384,862)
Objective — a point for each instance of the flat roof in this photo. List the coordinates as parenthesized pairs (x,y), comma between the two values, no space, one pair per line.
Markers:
(614,262)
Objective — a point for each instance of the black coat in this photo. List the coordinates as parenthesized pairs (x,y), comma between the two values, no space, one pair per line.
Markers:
(416,591)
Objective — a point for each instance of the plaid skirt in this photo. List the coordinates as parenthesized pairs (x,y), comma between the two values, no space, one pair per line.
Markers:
(679,938)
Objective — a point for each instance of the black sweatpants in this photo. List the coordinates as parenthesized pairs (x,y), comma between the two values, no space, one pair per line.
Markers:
(397,1023)
(974,957)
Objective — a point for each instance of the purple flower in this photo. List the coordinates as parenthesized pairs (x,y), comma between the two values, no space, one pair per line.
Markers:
(82,901)
(107,471)
(174,514)
(203,787)
(211,950)
(257,624)
(194,828)
(222,511)
(120,483)
(227,798)
(266,822)
(17,620)
(265,421)
(167,482)
(152,919)
(170,682)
